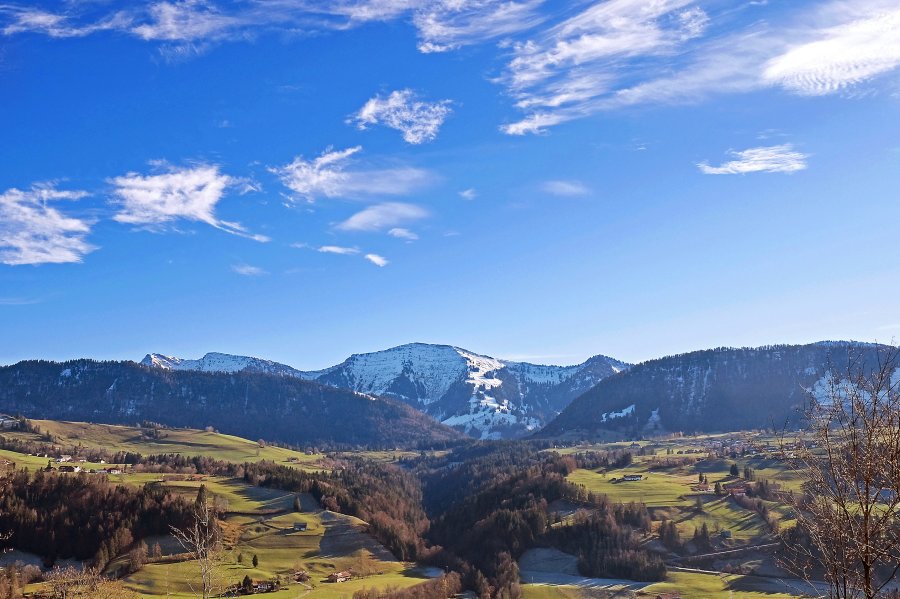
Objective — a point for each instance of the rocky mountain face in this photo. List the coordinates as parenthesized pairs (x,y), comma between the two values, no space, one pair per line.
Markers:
(251,404)
(709,391)
(483,396)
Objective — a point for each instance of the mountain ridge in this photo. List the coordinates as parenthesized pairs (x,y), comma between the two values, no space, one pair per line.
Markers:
(483,396)
(249,404)
(710,390)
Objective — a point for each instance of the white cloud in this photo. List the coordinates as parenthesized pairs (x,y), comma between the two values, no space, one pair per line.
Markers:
(337,249)
(25,19)
(565,188)
(248,271)
(33,232)
(190,193)
(418,121)
(468,194)
(186,21)
(659,53)
(401,233)
(841,56)
(771,159)
(329,175)
(556,76)
(448,24)
(383,216)
(377,260)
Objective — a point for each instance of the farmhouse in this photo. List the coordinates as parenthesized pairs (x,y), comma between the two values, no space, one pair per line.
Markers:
(342,576)
(70,468)
(7,422)
(114,471)
(633,477)
(738,491)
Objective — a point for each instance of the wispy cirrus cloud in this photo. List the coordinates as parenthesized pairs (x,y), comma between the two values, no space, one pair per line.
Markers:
(468,194)
(247,270)
(17,19)
(185,26)
(445,25)
(418,121)
(377,260)
(565,188)
(338,249)
(333,174)
(623,53)
(863,44)
(771,159)
(558,74)
(380,217)
(34,232)
(402,233)
(190,193)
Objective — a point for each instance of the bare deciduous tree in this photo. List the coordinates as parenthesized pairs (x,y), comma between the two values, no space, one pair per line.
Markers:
(202,540)
(72,583)
(848,516)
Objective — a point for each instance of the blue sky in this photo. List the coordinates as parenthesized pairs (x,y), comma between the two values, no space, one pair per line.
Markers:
(529,179)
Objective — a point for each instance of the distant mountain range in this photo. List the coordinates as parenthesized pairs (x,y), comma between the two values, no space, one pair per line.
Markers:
(423,394)
(482,396)
(250,404)
(709,391)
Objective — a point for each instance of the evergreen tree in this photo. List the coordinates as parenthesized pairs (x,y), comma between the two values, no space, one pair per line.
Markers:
(735,471)
(255,561)
(202,496)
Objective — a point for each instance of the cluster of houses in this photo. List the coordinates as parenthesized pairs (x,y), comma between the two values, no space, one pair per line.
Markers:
(76,468)
(251,587)
(7,422)
(628,478)
(342,576)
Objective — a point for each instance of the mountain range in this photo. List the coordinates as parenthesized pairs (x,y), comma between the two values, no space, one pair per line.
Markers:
(714,390)
(484,397)
(250,404)
(426,395)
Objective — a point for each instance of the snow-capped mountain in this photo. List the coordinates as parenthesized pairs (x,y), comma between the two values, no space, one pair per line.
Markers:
(485,397)
(216,362)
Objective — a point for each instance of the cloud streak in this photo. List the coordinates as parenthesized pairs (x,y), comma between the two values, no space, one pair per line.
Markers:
(333,175)
(34,232)
(337,249)
(379,217)
(377,260)
(192,193)
(771,159)
(568,189)
(246,270)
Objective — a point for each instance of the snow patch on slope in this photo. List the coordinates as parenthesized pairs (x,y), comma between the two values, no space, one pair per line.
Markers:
(620,414)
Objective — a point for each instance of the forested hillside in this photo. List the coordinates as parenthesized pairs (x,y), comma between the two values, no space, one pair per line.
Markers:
(253,405)
(713,390)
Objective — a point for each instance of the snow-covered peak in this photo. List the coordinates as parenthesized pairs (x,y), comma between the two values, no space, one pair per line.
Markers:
(478,393)
(430,370)
(218,362)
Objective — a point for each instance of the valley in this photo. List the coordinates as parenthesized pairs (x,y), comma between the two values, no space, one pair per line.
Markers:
(290,532)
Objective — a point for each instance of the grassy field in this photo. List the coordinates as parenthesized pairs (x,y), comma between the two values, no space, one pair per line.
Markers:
(188,442)
(258,521)
(261,524)
(656,490)
(696,585)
